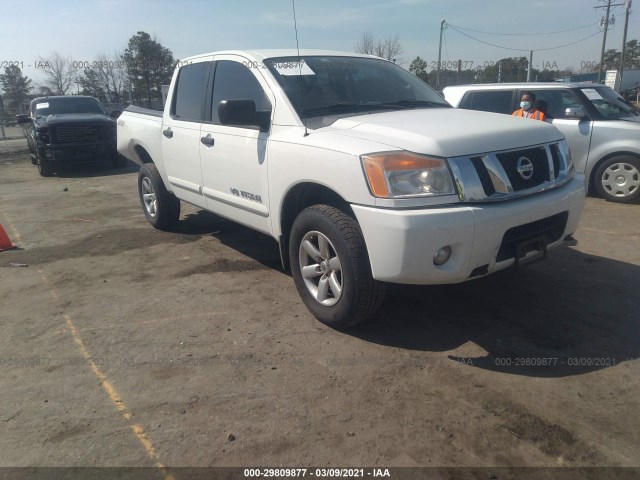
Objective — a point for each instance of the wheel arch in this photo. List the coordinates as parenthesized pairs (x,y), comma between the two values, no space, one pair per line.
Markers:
(299,197)
(143,155)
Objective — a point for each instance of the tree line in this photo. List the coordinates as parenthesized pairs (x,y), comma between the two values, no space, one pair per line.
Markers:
(134,75)
(137,73)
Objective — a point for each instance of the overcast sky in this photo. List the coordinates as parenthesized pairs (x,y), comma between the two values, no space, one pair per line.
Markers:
(82,29)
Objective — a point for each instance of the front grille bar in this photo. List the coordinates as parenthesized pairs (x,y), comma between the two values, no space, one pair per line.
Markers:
(499,178)
(482,177)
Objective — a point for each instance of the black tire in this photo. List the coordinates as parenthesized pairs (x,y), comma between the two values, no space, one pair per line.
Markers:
(617,179)
(163,208)
(360,296)
(34,159)
(45,167)
(119,161)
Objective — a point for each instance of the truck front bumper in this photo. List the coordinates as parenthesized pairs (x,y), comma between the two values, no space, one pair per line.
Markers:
(483,237)
(77,153)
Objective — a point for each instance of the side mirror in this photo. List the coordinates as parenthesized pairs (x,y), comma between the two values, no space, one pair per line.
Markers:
(22,118)
(115,113)
(242,113)
(576,112)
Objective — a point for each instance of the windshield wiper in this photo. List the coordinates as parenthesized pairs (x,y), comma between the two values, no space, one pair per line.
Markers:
(415,104)
(363,107)
(357,107)
(341,106)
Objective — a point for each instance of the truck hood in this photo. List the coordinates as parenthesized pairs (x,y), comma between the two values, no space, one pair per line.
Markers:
(75,118)
(446,132)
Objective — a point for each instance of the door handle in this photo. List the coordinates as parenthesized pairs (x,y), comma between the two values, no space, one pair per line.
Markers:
(208,140)
(168,132)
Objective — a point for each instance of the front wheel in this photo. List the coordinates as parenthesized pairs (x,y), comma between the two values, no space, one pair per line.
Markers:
(330,267)
(160,206)
(617,179)
(45,167)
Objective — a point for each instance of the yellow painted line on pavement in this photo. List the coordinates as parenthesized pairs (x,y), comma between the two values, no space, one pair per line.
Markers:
(108,387)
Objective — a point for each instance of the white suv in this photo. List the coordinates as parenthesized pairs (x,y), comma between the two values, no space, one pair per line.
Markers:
(603,131)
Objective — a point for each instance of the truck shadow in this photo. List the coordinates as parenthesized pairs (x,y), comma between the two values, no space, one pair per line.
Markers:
(570,315)
(255,245)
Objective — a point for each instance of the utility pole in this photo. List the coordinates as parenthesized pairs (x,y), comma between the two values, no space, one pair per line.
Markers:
(604,37)
(624,38)
(442,26)
(529,66)
(2,115)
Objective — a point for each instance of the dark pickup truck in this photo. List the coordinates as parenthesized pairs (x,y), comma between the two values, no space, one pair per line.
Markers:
(68,130)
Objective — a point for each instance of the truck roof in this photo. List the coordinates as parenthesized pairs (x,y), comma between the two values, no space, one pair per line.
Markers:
(261,54)
(57,97)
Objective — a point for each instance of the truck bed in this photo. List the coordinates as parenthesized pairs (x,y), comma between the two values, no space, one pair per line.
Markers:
(140,129)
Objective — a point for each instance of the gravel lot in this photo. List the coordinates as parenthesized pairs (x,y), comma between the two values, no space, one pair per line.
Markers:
(127,346)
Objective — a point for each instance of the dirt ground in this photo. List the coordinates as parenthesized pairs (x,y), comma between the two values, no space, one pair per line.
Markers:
(126,346)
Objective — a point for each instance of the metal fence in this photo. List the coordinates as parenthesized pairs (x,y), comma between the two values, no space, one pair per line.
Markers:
(9,128)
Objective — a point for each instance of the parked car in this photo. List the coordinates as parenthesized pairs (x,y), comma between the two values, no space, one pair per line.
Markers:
(70,129)
(602,129)
(361,172)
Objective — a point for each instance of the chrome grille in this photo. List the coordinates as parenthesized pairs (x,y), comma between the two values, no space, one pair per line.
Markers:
(507,174)
(536,158)
(556,158)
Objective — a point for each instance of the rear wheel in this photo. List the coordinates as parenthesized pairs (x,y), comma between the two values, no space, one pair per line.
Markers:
(617,179)
(160,206)
(331,269)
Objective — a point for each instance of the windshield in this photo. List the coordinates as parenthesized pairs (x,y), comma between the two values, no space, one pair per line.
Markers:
(327,85)
(609,103)
(56,106)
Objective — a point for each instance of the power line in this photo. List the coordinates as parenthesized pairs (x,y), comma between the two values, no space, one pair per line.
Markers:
(486,43)
(566,45)
(523,49)
(524,34)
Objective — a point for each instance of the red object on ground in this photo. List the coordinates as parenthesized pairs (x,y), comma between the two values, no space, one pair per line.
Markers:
(5,243)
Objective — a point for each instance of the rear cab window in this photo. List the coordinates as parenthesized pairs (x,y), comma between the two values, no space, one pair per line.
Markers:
(188,100)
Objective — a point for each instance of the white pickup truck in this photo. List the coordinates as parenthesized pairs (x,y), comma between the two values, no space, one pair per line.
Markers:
(361,172)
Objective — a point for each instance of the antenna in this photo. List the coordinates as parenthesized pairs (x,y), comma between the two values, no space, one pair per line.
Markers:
(295,24)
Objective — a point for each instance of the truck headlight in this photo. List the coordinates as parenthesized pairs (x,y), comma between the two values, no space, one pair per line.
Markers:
(405,174)
(42,134)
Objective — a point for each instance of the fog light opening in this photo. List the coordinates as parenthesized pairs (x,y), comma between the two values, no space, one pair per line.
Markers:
(442,256)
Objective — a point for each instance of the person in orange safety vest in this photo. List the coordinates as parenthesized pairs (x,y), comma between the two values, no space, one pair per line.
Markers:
(527,108)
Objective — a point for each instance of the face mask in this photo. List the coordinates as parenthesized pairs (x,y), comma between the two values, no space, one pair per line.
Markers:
(525,105)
